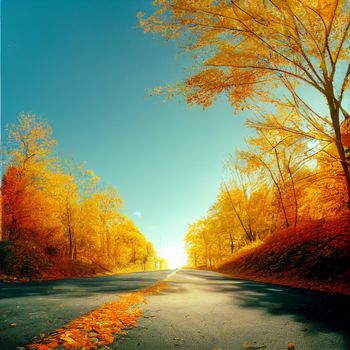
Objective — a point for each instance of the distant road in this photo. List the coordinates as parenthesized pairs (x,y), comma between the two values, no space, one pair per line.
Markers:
(199,310)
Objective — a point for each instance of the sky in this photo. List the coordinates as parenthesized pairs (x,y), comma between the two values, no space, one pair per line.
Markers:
(85,67)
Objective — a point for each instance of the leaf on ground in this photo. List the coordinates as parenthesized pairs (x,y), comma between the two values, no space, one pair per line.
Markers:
(253,346)
(98,328)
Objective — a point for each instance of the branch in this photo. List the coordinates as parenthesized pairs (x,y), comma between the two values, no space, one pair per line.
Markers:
(268,68)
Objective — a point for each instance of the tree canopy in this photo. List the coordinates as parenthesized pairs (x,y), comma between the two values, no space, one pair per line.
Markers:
(260,52)
(61,209)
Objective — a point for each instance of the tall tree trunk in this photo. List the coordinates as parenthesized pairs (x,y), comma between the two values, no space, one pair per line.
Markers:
(247,232)
(13,230)
(108,242)
(232,246)
(334,112)
(220,250)
(70,239)
(294,196)
(75,253)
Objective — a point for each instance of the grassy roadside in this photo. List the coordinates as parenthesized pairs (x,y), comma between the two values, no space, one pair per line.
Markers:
(316,256)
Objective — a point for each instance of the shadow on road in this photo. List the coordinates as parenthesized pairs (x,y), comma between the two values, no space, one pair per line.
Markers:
(79,287)
(37,307)
(321,311)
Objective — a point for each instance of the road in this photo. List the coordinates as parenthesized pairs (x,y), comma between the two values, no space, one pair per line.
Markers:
(38,307)
(198,310)
(206,310)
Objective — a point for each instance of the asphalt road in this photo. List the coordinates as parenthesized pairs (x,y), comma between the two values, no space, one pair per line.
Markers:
(199,310)
(206,310)
(37,307)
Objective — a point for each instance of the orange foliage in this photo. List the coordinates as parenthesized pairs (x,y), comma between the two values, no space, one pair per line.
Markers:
(275,58)
(99,327)
(282,179)
(315,255)
(263,55)
(62,210)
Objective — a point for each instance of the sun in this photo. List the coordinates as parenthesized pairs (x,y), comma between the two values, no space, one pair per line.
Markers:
(175,255)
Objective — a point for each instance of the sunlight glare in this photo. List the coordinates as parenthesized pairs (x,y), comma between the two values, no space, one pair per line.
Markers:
(175,256)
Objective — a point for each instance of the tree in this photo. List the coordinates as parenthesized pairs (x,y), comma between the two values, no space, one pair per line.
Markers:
(69,198)
(57,209)
(30,143)
(29,161)
(261,50)
(108,203)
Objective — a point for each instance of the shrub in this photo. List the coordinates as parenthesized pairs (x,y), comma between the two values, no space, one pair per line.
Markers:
(21,259)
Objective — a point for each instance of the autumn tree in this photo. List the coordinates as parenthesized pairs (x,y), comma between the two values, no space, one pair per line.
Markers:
(28,159)
(279,181)
(74,187)
(108,204)
(262,51)
(197,244)
(69,198)
(278,158)
(29,142)
(324,188)
(59,209)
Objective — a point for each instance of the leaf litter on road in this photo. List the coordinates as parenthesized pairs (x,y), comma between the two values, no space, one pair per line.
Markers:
(253,346)
(98,328)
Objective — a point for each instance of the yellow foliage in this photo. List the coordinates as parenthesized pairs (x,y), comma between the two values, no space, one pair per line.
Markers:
(62,208)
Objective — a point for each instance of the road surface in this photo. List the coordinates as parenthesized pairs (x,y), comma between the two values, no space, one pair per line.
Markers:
(198,310)
(37,307)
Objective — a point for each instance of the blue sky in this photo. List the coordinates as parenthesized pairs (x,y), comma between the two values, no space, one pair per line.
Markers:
(84,66)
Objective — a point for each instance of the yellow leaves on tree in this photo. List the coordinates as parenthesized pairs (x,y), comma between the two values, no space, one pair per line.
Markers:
(30,141)
(259,51)
(60,207)
(290,39)
(278,182)
(29,158)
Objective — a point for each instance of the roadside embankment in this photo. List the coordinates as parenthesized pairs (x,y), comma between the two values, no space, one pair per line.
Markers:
(315,255)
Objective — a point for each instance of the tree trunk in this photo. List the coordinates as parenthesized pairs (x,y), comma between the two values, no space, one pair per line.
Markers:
(108,241)
(232,245)
(13,234)
(336,126)
(294,196)
(70,238)
(75,253)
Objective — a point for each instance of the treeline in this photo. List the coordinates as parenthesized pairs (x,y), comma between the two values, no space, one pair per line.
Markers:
(279,182)
(53,208)
(287,62)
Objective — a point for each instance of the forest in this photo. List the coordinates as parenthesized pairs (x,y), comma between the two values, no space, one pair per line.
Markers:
(58,219)
(281,65)
(284,66)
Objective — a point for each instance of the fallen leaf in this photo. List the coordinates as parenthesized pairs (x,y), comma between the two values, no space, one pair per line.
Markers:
(253,346)
(98,328)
